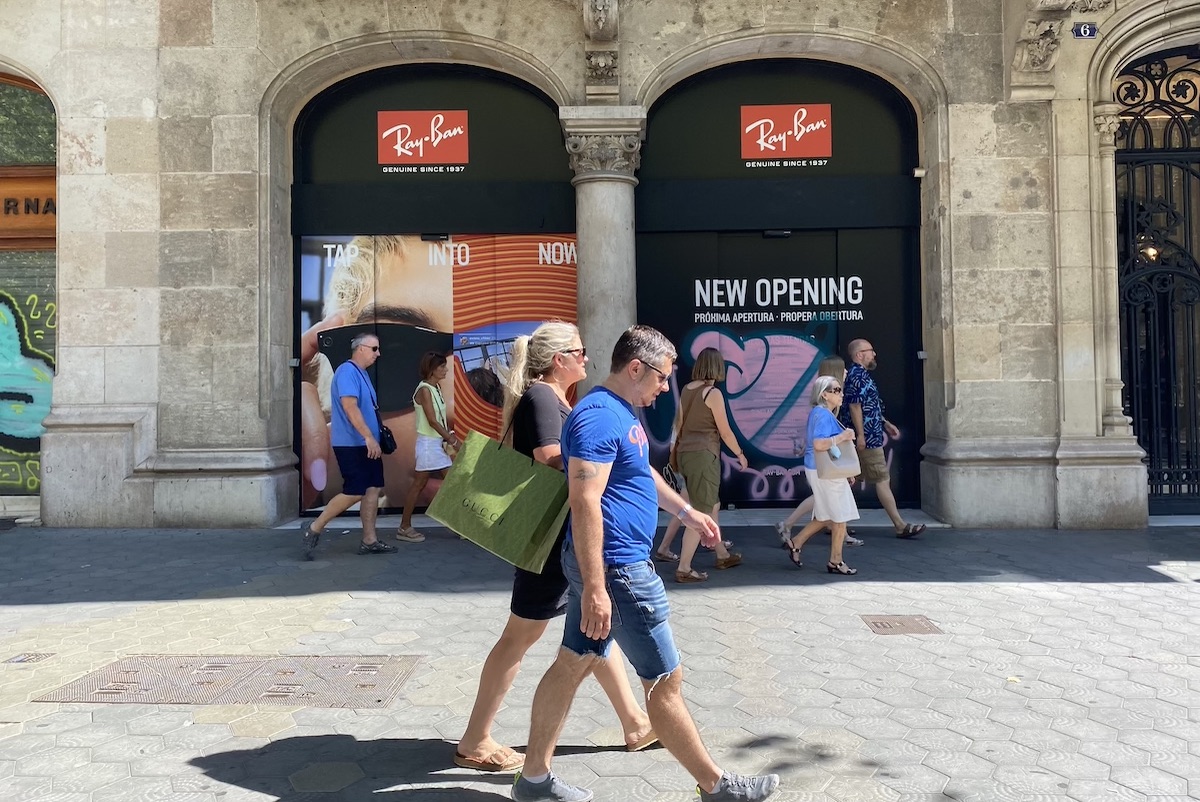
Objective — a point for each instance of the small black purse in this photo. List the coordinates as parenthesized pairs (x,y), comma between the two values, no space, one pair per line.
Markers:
(387,440)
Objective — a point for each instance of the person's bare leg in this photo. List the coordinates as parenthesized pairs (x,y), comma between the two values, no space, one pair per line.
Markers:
(610,673)
(551,703)
(420,479)
(668,537)
(691,540)
(719,548)
(336,506)
(499,670)
(884,491)
(677,731)
(803,509)
(837,532)
(368,511)
(810,529)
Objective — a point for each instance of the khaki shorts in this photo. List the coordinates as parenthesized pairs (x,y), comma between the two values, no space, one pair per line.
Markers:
(874,466)
(702,474)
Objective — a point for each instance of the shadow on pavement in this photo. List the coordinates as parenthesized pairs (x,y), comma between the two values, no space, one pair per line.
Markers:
(58,566)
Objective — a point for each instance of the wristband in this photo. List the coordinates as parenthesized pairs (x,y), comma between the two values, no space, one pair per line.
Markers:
(684,511)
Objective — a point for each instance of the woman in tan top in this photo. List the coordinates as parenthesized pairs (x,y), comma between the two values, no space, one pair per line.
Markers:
(700,427)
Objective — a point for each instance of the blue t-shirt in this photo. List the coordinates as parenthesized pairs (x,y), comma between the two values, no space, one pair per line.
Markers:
(821,423)
(860,389)
(603,429)
(351,381)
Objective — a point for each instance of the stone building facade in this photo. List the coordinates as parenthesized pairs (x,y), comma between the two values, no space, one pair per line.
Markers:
(173,397)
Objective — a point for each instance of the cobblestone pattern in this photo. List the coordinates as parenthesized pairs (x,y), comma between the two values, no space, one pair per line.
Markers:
(1067,671)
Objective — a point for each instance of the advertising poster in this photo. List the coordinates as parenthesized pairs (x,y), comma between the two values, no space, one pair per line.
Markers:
(468,296)
(775,308)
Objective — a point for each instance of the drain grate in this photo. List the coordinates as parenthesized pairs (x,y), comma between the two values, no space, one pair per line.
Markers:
(301,681)
(30,657)
(900,625)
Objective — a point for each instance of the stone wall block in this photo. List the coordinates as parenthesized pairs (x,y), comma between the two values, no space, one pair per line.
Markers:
(212,425)
(223,316)
(83,23)
(132,259)
(187,145)
(186,23)
(1076,304)
(108,317)
(79,375)
(289,30)
(235,143)
(973,67)
(1022,129)
(193,201)
(185,374)
(1075,238)
(81,145)
(185,259)
(235,258)
(1003,296)
(1024,241)
(81,260)
(1004,408)
(133,23)
(107,203)
(131,374)
(972,131)
(235,23)
(1029,352)
(1079,358)
(986,186)
(1074,183)
(235,373)
(977,353)
(975,242)
(111,83)
(975,17)
(1074,129)
(1080,409)
(205,82)
(131,145)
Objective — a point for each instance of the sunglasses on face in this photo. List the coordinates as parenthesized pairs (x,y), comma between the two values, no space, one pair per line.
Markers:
(582,352)
(837,390)
(663,378)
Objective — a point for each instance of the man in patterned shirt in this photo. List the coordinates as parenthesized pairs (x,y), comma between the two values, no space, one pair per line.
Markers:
(862,408)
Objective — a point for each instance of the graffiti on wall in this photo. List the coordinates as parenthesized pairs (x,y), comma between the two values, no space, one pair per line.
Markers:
(26,376)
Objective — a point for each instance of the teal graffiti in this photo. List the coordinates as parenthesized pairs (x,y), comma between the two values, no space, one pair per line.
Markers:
(26,375)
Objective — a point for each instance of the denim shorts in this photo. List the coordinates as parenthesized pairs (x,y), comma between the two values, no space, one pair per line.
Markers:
(639,617)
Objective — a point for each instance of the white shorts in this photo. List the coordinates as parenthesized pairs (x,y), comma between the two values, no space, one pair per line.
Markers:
(430,456)
(832,499)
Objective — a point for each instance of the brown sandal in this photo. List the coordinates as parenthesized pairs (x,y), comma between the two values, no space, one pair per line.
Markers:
(666,557)
(686,577)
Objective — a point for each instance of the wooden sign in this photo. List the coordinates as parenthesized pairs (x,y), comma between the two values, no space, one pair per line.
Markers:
(28,203)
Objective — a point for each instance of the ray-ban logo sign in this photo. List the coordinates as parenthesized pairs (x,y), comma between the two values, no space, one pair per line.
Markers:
(423,137)
(773,132)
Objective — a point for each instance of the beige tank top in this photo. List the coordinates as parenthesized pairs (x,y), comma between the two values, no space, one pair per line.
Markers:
(699,429)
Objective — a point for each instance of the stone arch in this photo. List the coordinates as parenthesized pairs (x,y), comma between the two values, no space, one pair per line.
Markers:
(292,88)
(915,78)
(1138,32)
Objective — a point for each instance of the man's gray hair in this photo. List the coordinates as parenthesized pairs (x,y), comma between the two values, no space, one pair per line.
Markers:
(358,339)
(820,385)
(643,343)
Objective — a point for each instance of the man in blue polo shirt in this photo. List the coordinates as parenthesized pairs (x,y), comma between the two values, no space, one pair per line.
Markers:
(615,497)
(354,433)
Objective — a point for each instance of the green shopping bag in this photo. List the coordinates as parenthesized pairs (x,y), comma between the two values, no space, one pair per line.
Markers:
(499,499)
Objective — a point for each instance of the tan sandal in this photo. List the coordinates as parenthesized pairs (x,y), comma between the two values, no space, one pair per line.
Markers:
(688,577)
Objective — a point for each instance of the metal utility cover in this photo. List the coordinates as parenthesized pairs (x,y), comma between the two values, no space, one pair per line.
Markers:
(900,625)
(356,682)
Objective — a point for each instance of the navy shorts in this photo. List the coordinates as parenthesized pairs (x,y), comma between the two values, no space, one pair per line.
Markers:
(359,472)
(540,597)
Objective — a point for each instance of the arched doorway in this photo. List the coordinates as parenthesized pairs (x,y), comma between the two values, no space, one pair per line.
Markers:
(28,308)
(778,218)
(1158,220)
(432,205)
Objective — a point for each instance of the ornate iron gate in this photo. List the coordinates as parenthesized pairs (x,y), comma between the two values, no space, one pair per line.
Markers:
(1158,203)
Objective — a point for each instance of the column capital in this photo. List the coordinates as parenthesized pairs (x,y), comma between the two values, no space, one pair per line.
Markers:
(1107,119)
(604,142)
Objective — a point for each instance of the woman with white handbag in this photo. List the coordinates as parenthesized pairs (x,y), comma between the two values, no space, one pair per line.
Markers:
(828,466)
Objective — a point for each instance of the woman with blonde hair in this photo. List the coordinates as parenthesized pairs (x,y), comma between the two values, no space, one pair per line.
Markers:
(701,426)
(833,366)
(542,369)
(833,502)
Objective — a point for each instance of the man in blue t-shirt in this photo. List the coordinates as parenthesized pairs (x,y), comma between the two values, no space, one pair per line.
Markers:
(615,497)
(862,410)
(354,433)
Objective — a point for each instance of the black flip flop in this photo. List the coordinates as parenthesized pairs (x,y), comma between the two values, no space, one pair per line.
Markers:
(911,531)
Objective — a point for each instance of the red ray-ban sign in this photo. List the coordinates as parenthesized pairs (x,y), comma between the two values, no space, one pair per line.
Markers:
(772,132)
(423,137)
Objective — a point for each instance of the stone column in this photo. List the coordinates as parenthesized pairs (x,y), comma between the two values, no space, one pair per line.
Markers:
(1116,422)
(604,143)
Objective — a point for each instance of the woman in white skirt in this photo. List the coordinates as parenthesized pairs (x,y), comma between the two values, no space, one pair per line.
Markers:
(433,438)
(833,502)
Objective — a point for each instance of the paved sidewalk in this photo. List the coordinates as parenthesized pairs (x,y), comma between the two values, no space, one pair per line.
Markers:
(1068,669)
